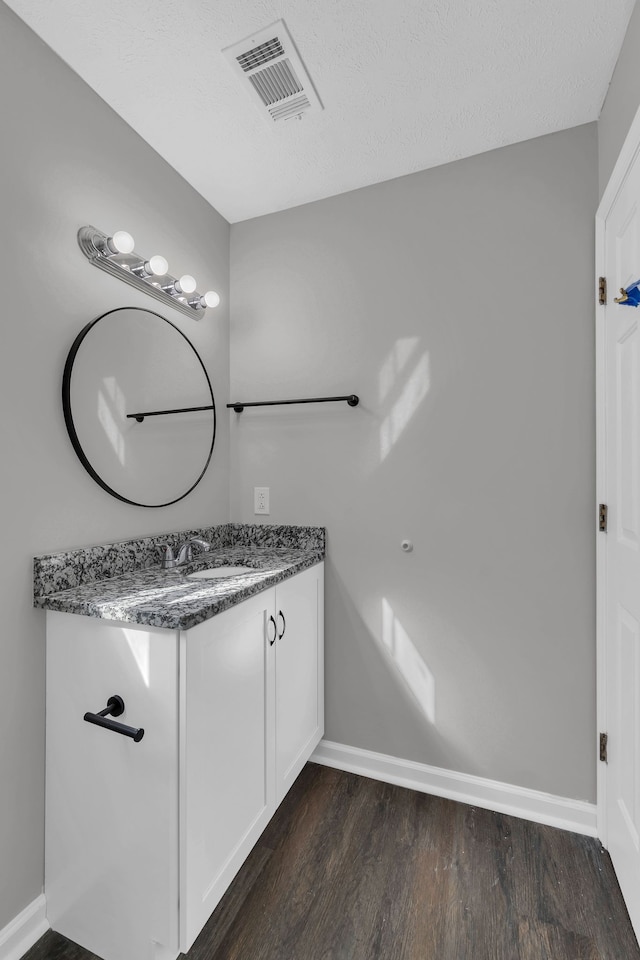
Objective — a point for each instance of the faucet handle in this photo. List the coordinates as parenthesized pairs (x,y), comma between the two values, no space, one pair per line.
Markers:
(167,559)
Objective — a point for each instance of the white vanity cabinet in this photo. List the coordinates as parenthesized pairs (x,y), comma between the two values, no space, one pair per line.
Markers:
(143,839)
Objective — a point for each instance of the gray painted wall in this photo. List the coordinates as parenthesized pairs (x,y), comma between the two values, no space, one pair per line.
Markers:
(621,102)
(457,303)
(67,159)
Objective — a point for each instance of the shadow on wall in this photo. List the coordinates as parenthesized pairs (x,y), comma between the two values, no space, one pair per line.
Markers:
(384,691)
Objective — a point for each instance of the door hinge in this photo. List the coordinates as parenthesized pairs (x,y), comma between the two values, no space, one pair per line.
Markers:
(602,291)
(604,738)
(602,518)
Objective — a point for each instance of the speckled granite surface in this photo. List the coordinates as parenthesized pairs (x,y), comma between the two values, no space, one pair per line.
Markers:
(123,581)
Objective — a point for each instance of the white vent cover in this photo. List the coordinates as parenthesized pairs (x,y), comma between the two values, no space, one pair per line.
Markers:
(273,73)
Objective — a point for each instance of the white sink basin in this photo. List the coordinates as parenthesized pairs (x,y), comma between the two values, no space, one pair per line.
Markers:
(215,573)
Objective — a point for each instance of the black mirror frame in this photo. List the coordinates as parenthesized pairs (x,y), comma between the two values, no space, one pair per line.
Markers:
(68,415)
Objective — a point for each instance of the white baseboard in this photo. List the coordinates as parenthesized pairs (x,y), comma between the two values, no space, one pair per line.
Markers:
(575,815)
(24,930)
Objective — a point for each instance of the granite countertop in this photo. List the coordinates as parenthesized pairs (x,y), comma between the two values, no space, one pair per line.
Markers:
(147,594)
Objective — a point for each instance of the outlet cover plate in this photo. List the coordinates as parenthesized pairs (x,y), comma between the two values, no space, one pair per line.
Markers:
(260,500)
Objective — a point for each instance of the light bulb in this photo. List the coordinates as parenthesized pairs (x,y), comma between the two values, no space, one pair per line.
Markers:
(186,284)
(210,299)
(156,266)
(153,267)
(121,242)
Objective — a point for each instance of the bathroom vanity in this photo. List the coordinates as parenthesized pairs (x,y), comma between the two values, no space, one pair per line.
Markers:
(143,838)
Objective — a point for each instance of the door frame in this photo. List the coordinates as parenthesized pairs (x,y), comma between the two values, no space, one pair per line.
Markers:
(628,154)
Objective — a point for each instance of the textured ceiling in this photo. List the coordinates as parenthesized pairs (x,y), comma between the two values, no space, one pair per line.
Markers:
(406,84)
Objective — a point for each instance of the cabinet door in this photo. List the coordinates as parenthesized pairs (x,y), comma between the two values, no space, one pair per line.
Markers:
(299,651)
(226,781)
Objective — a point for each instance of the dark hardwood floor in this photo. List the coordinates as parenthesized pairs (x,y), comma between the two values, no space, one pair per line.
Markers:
(353,869)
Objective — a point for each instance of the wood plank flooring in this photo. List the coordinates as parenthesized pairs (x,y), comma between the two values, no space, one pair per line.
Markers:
(353,869)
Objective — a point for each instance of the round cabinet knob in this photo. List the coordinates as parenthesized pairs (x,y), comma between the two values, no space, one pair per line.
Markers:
(407,546)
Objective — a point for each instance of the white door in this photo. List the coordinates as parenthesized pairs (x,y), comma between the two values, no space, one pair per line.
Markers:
(226,736)
(299,674)
(619,547)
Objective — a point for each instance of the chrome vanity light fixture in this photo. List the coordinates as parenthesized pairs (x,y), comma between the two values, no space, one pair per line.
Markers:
(116,255)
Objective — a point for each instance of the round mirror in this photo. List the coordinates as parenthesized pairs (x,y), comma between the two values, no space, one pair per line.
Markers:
(129,363)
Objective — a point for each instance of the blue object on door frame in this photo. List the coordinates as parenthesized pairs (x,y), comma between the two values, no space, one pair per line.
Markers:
(629,296)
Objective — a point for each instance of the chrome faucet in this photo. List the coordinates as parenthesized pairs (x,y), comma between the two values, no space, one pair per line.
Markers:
(185,552)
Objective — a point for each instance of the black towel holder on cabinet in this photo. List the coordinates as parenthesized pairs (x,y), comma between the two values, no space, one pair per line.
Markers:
(114,707)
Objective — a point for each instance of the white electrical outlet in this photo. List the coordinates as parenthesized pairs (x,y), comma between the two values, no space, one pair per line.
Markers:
(261,499)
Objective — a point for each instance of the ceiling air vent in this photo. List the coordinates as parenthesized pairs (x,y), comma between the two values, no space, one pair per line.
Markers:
(277,79)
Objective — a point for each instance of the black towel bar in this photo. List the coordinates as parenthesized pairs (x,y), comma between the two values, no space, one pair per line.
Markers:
(351,399)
